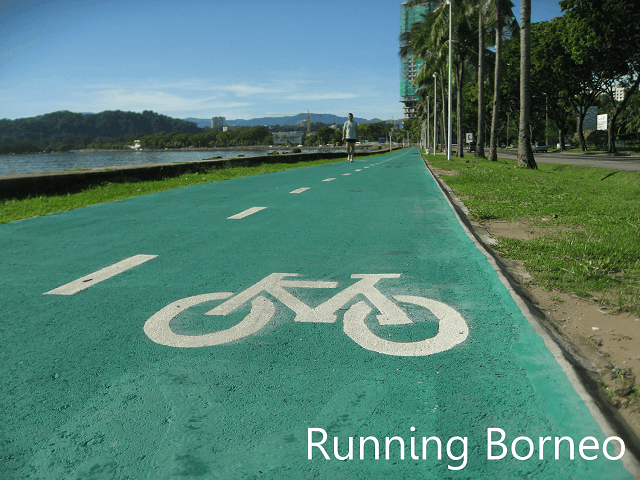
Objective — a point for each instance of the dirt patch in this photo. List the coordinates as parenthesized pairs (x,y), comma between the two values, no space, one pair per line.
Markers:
(441,171)
(608,338)
(518,230)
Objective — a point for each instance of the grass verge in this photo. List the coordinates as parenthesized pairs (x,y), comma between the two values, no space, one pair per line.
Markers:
(12,210)
(587,222)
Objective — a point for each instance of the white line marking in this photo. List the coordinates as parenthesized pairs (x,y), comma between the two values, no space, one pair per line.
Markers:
(300,190)
(359,170)
(344,174)
(328,179)
(96,277)
(246,213)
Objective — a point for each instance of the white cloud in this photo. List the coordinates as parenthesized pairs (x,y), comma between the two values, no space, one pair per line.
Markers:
(247,90)
(321,96)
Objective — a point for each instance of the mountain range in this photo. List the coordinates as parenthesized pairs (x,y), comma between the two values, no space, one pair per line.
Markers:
(290,120)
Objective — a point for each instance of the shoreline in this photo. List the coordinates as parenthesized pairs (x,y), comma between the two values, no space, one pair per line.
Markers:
(373,146)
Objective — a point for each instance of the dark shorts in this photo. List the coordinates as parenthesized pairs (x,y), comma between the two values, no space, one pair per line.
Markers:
(351,140)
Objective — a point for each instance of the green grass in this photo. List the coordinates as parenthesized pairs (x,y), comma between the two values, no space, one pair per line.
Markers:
(12,210)
(592,248)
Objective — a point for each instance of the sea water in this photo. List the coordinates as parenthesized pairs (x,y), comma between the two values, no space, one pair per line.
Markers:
(56,162)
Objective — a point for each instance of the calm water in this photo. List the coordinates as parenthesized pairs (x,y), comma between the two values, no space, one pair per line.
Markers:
(55,162)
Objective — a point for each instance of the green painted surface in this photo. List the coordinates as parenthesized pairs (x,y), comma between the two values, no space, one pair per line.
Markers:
(86,394)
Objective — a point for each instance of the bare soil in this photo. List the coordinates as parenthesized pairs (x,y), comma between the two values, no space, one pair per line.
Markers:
(606,337)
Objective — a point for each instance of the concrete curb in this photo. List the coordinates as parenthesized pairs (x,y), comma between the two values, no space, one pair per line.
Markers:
(579,370)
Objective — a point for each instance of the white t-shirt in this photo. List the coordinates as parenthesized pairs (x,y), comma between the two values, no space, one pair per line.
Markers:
(350,130)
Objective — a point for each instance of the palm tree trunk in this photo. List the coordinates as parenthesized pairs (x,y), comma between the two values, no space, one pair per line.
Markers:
(480,138)
(525,155)
(495,119)
(459,82)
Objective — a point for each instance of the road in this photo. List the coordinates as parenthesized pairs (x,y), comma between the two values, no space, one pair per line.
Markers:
(254,328)
(626,163)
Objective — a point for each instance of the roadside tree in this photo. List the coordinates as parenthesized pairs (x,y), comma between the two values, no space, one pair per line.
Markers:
(525,154)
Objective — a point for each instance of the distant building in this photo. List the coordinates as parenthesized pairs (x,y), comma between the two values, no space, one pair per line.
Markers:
(301,123)
(217,123)
(408,67)
(280,138)
(590,120)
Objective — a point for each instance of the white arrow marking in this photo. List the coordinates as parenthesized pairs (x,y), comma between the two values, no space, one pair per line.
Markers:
(97,277)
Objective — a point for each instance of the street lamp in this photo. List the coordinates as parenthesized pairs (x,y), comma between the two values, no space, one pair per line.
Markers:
(435,109)
(428,126)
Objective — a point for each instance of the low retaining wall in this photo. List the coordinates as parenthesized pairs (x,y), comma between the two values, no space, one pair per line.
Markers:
(60,183)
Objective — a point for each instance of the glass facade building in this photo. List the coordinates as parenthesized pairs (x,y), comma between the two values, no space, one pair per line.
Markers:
(408,67)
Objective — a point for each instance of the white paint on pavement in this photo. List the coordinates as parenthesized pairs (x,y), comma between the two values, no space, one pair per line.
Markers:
(328,179)
(97,277)
(246,213)
(300,190)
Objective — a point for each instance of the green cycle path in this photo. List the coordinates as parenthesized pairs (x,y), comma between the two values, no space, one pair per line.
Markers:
(290,325)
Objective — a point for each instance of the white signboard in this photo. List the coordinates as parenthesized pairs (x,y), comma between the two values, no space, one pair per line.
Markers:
(602,122)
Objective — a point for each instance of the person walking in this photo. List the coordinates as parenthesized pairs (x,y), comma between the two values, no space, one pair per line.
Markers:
(350,133)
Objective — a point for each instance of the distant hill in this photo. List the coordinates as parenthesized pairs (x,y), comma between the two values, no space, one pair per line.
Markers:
(290,120)
(57,126)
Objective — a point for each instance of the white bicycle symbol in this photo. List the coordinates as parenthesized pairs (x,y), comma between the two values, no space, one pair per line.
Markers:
(453,328)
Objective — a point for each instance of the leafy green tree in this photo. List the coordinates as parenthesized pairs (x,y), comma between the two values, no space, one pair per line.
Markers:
(552,72)
(603,36)
(504,24)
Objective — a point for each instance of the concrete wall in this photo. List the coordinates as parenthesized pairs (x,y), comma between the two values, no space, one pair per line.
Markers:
(60,183)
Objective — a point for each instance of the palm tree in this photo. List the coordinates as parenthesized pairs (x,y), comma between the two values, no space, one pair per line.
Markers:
(493,148)
(424,42)
(481,53)
(525,155)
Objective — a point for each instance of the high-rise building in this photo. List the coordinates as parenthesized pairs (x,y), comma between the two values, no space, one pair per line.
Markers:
(408,67)
(217,123)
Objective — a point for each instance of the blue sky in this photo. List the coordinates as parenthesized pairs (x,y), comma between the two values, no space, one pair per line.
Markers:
(237,59)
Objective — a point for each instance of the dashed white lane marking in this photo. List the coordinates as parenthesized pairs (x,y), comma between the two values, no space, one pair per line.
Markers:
(359,170)
(96,277)
(328,179)
(300,190)
(246,213)
(345,174)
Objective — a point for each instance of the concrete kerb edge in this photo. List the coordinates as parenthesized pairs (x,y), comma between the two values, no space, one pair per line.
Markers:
(22,186)
(578,369)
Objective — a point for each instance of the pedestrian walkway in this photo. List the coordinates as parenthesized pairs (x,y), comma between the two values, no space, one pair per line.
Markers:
(329,322)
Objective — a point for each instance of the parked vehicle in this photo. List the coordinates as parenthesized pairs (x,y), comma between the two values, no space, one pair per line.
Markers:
(537,148)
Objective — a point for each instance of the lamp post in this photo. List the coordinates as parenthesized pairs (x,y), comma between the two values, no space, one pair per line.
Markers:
(450,45)
(428,126)
(435,109)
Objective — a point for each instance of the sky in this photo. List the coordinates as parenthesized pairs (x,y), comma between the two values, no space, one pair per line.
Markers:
(236,59)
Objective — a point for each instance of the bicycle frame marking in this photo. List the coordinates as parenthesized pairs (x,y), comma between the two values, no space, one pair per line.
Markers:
(452,331)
